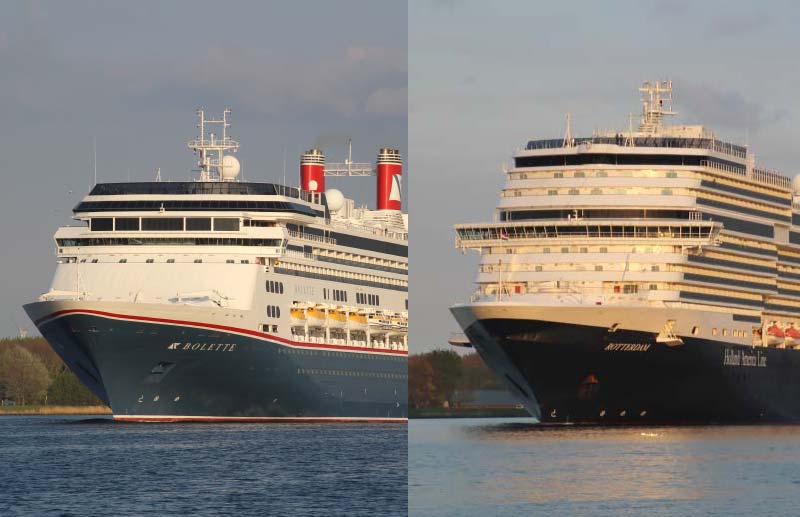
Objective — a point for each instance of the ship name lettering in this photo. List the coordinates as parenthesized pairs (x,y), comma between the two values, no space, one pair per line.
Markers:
(733,357)
(627,347)
(204,347)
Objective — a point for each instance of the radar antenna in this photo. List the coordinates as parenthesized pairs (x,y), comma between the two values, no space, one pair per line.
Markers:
(349,168)
(207,146)
(654,106)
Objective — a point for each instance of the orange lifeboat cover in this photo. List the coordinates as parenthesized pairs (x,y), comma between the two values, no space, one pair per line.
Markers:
(792,332)
(776,331)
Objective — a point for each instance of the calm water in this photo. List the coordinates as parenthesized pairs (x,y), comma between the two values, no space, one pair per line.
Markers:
(79,466)
(510,467)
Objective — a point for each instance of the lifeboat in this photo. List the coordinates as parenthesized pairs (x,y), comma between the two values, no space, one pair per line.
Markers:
(379,319)
(357,320)
(298,315)
(337,318)
(775,335)
(316,316)
(399,322)
(792,336)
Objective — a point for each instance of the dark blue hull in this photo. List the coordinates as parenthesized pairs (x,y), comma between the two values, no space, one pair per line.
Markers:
(157,371)
(579,373)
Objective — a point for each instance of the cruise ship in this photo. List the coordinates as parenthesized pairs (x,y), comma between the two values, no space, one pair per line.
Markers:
(224,300)
(646,275)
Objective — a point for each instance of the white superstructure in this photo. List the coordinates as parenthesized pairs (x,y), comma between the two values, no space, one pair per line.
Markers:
(663,229)
(307,267)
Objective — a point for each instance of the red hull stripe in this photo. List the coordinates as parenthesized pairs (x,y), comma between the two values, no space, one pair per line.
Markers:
(253,333)
(254,419)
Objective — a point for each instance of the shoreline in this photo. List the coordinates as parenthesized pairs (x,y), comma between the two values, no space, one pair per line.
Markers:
(54,410)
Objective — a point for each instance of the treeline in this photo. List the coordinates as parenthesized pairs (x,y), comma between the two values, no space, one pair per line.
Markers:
(31,373)
(436,377)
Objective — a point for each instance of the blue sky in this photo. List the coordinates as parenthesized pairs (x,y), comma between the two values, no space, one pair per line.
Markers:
(482,81)
(131,75)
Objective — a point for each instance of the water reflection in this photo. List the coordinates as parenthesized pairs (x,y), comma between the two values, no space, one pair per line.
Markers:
(482,464)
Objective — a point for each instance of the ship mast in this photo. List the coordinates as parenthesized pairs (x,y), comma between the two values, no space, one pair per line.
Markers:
(211,149)
(654,105)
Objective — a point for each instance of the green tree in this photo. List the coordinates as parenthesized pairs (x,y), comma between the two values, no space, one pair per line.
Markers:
(421,386)
(478,376)
(67,390)
(447,372)
(23,375)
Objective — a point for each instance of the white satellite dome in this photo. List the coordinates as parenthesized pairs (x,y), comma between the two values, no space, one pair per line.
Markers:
(796,185)
(335,199)
(230,167)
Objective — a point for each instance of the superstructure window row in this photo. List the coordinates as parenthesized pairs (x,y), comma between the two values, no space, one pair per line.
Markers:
(333,275)
(598,213)
(564,160)
(604,231)
(164,224)
(158,241)
(622,139)
(173,205)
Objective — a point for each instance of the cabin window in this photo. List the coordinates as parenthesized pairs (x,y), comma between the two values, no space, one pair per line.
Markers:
(198,261)
(714,332)
(149,261)
(695,331)
(170,261)
(558,174)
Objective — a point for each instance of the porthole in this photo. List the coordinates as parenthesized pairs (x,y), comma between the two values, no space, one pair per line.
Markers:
(695,331)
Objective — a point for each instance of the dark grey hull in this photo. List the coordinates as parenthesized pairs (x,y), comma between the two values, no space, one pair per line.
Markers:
(579,373)
(160,371)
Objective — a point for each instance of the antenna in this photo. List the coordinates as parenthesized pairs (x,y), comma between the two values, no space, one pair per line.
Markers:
(94,147)
(349,168)
(568,141)
(629,142)
(284,166)
(158,175)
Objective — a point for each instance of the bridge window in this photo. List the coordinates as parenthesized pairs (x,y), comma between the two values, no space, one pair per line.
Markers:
(198,224)
(102,224)
(226,224)
(162,224)
(126,224)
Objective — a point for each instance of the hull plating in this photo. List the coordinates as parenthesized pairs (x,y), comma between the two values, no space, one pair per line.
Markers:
(565,372)
(150,371)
